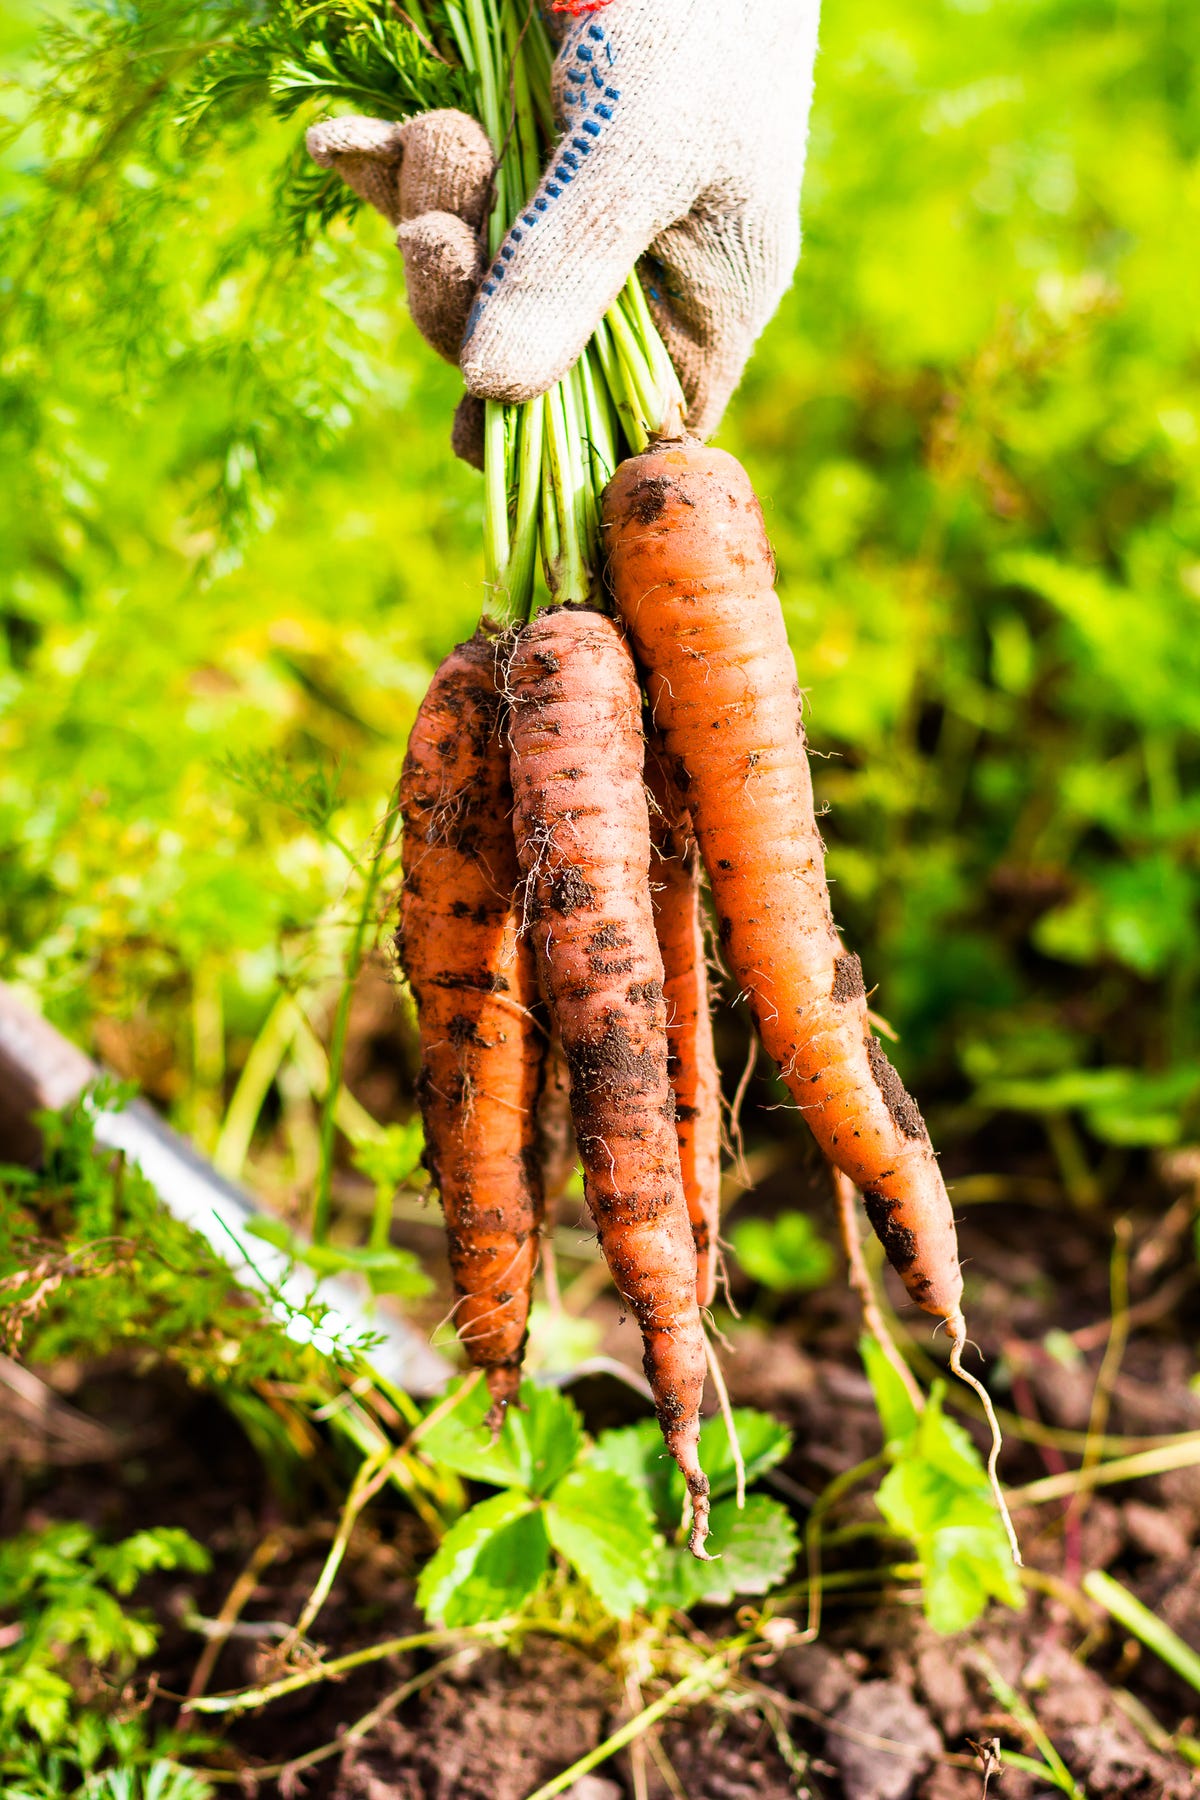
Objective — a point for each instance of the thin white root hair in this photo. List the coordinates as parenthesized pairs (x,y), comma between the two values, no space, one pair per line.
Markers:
(958,1342)
(718,1381)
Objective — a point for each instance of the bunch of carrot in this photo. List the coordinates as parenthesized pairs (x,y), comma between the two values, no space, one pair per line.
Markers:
(552,853)
(575,770)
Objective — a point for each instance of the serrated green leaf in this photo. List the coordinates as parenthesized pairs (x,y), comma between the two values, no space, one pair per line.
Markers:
(638,1453)
(487,1564)
(547,1435)
(763,1440)
(753,1551)
(39,1699)
(165,1547)
(541,1438)
(897,1414)
(602,1524)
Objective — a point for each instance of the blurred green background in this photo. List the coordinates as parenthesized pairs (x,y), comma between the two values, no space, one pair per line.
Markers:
(234,544)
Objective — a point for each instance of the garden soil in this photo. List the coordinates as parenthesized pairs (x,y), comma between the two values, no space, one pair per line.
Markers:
(880,1708)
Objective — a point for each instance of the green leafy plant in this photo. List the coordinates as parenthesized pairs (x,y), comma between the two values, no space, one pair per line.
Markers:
(611,1511)
(67,1650)
(754,1546)
(786,1254)
(936,1494)
(91,1263)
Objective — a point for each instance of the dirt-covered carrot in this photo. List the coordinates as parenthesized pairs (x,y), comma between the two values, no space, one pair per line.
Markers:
(472,976)
(691,1056)
(693,577)
(583,838)
(558,1155)
(556,1134)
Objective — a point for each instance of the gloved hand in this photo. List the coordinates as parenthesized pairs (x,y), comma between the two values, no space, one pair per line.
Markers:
(683,135)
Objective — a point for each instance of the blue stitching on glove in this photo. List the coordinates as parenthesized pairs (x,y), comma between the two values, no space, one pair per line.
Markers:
(567,164)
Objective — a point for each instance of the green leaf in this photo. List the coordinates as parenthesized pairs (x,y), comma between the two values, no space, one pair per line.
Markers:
(753,1551)
(541,1438)
(388,1160)
(897,1414)
(937,1495)
(387,1271)
(918,1500)
(272,1231)
(38,1698)
(638,1453)
(964,1567)
(763,1440)
(487,1564)
(547,1435)
(601,1523)
(165,1547)
(402,1274)
(786,1254)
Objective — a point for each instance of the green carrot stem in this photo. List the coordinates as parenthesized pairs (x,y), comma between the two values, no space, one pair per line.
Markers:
(621,390)
(571,566)
(522,563)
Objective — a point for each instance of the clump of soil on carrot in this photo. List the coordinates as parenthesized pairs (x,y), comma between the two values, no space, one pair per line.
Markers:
(499,1725)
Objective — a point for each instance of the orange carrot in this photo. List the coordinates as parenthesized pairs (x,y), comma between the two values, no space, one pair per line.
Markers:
(691,1056)
(693,578)
(558,1155)
(583,840)
(472,975)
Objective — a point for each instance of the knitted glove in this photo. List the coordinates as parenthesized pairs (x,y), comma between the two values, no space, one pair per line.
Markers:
(683,135)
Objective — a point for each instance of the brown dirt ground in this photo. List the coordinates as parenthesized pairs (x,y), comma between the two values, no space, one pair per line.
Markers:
(878,1709)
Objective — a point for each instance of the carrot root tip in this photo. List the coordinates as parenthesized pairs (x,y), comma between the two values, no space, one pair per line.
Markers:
(698,1536)
(503,1386)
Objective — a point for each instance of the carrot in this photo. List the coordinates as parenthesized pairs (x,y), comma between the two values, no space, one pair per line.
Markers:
(693,577)
(472,976)
(556,1134)
(691,1056)
(557,1154)
(583,841)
